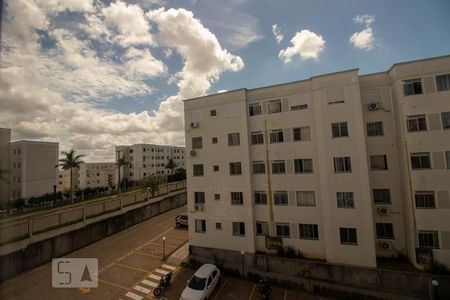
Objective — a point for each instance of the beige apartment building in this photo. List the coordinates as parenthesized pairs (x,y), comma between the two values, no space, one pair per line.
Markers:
(149,159)
(343,167)
(29,167)
(92,175)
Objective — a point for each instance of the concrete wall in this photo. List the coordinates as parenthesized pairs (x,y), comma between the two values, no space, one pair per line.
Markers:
(41,252)
(313,274)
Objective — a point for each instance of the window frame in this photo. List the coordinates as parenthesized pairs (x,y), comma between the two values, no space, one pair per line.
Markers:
(383,232)
(202,226)
(445,125)
(276,136)
(447,82)
(416,123)
(299,165)
(425,199)
(258,137)
(345,200)
(374,167)
(277,169)
(420,155)
(308,232)
(276,103)
(277,198)
(259,164)
(251,112)
(197,174)
(260,197)
(413,83)
(342,130)
(239,232)
(381,192)
(235,168)
(346,164)
(375,130)
(197,143)
(300,133)
(234,139)
(283,231)
(434,238)
(202,199)
(237,198)
(264,228)
(346,232)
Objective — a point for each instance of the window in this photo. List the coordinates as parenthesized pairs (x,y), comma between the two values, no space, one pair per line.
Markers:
(447,156)
(308,231)
(278,167)
(218,226)
(280,198)
(197,143)
(306,198)
(276,136)
(254,109)
(237,198)
(262,228)
(339,129)
(336,95)
(412,87)
(301,134)
(445,120)
(260,198)
(259,167)
(425,199)
(381,196)
(283,230)
(235,168)
(345,200)
(238,228)
(213,113)
(200,226)
(348,236)
(298,104)
(274,106)
(198,170)
(443,82)
(216,196)
(215,140)
(303,165)
(233,139)
(416,123)
(420,161)
(375,129)
(385,231)
(378,162)
(216,168)
(428,239)
(257,137)
(199,197)
(342,164)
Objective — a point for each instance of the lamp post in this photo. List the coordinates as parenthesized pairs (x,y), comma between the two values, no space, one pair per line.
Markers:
(434,285)
(242,259)
(164,248)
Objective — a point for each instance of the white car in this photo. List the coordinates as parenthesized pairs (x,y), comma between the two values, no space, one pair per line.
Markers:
(202,283)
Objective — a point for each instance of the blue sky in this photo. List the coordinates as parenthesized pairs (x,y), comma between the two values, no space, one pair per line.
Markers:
(93,74)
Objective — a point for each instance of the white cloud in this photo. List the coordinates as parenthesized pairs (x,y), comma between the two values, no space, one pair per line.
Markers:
(130,23)
(277,33)
(142,64)
(204,58)
(306,44)
(56,6)
(363,39)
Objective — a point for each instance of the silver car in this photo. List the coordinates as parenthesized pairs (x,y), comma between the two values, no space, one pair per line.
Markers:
(181,220)
(202,283)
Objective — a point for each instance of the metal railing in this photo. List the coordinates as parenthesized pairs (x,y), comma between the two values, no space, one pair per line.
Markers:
(16,230)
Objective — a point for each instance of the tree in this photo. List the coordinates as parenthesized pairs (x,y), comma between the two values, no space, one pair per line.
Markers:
(171,165)
(153,182)
(119,163)
(68,162)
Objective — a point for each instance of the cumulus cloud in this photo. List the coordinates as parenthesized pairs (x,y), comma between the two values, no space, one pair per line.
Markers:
(130,23)
(306,44)
(277,33)
(363,39)
(55,79)
(204,58)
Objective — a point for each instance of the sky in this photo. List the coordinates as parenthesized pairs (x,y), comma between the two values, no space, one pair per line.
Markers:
(93,74)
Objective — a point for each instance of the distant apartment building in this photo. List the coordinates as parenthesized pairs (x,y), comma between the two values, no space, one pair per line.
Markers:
(149,159)
(343,167)
(29,167)
(89,175)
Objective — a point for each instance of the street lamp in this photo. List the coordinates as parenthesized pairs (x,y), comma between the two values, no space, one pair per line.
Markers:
(164,248)
(242,258)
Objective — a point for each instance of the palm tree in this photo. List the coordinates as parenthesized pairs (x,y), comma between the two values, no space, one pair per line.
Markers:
(121,162)
(68,162)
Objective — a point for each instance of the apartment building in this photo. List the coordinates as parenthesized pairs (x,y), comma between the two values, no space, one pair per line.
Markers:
(149,159)
(92,175)
(28,166)
(343,167)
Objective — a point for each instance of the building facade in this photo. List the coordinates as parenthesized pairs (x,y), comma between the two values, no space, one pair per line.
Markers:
(149,159)
(343,167)
(92,175)
(5,139)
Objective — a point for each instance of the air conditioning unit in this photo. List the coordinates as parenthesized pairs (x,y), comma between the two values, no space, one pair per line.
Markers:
(374,106)
(198,207)
(194,125)
(385,245)
(384,211)
(193,153)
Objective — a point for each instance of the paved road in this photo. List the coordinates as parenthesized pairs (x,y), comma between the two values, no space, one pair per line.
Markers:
(125,259)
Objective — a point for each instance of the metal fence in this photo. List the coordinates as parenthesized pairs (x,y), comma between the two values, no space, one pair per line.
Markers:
(12,231)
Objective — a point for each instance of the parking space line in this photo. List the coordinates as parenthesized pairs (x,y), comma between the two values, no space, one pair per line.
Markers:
(113,284)
(132,268)
(146,254)
(218,292)
(149,283)
(160,271)
(168,267)
(252,292)
(153,276)
(133,296)
(142,289)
